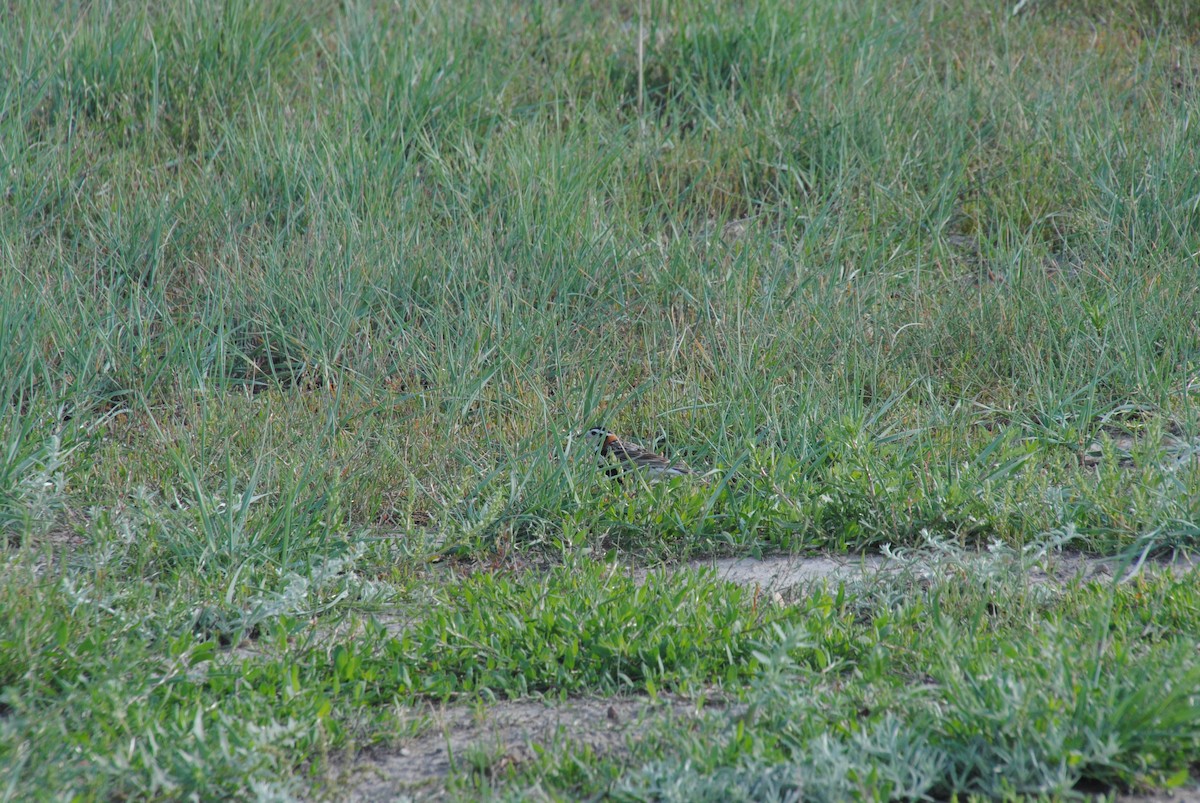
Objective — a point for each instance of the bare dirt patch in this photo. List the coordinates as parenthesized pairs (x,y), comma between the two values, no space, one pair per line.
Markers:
(1175,450)
(490,739)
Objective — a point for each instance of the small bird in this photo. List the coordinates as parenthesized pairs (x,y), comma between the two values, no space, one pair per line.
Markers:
(630,455)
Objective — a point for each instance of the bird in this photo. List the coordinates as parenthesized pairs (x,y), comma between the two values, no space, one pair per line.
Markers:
(630,455)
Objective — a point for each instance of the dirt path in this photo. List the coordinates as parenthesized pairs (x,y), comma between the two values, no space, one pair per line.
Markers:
(493,737)
(783,573)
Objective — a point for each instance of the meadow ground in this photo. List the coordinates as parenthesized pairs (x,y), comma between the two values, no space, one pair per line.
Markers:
(302,306)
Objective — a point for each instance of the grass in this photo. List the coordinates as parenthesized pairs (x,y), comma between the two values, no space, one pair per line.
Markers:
(302,307)
(992,688)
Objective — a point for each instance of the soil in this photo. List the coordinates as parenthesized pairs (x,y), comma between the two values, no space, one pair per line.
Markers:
(494,737)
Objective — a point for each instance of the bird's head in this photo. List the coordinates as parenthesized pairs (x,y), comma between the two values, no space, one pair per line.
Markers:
(601,434)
